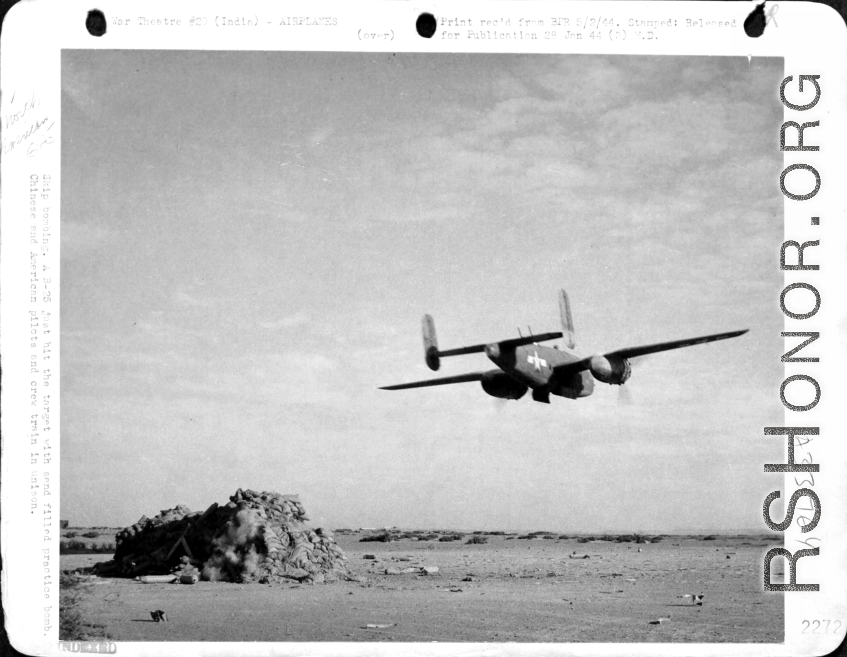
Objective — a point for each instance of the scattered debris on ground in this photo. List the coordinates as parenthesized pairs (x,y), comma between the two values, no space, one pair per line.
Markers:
(412,570)
(157,579)
(159,616)
(695,599)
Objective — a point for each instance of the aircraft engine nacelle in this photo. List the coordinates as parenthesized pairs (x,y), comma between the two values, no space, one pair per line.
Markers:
(501,385)
(610,369)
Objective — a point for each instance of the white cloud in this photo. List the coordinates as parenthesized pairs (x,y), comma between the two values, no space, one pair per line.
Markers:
(300,318)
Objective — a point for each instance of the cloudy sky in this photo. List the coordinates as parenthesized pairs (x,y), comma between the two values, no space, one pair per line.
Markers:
(250,239)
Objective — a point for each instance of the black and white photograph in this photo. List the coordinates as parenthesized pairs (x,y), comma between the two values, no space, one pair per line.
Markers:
(508,328)
(249,244)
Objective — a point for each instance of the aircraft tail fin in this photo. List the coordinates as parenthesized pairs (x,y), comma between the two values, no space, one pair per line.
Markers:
(567,320)
(430,343)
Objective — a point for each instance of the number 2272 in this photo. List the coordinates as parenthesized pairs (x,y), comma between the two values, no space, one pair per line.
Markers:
(814,627)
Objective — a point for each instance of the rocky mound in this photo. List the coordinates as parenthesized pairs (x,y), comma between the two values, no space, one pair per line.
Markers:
(255,537)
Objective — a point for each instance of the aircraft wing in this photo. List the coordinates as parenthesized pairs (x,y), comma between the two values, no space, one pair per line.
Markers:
(529,339)
(504,344)
(461,378)
(634,352)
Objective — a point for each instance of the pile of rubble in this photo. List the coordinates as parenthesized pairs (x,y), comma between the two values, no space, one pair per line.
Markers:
(255,537)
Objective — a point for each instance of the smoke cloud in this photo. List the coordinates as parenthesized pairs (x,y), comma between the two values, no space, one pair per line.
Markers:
(235,554)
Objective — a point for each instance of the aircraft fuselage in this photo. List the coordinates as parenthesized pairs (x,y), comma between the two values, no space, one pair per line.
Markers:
(533,365)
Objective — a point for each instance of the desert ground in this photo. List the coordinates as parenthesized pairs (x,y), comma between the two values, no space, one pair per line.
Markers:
(505,590)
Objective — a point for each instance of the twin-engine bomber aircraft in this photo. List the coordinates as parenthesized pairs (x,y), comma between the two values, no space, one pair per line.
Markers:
(547,371)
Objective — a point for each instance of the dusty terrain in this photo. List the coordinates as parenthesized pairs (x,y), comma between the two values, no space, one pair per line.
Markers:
(518,591)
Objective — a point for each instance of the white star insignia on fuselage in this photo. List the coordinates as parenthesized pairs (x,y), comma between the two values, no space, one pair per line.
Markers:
(538,362)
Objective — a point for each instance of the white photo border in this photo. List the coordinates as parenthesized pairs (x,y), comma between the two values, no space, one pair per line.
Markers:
(810,38)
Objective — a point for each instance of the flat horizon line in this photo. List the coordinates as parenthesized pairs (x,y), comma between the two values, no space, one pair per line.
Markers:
(610,532)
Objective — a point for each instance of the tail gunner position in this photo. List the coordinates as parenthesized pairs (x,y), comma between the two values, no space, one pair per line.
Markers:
(524,364)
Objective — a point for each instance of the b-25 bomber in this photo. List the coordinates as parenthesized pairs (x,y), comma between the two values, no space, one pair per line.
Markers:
(523,364)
